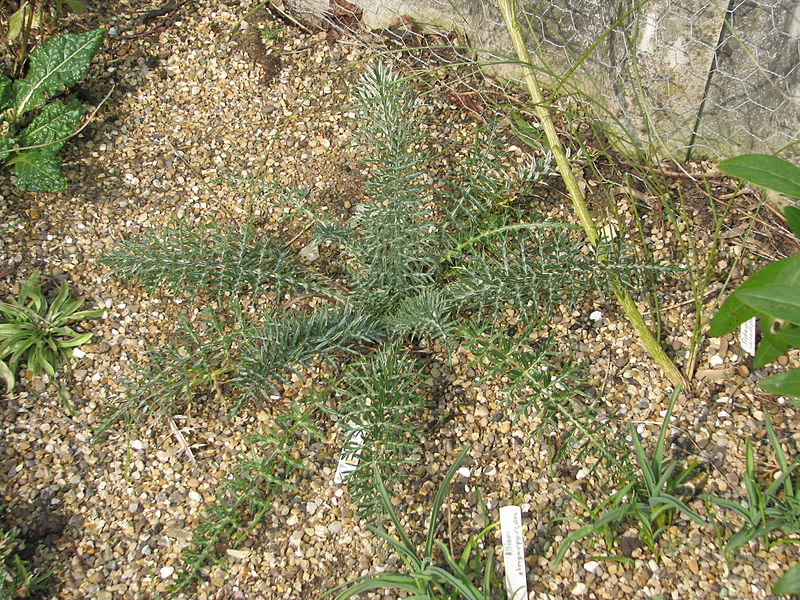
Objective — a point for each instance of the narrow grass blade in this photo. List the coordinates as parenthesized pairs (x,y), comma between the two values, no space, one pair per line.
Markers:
(439,499)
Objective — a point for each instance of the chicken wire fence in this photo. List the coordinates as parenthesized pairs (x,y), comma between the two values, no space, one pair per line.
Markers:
(685,77)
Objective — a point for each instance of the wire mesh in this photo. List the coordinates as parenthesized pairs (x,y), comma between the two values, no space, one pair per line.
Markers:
(681,77)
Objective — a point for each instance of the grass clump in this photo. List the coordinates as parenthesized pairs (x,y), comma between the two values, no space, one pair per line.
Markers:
(17,580)
(469,577)
(650,495)
(39,332)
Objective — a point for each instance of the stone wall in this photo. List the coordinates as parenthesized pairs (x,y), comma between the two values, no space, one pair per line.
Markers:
(713,78)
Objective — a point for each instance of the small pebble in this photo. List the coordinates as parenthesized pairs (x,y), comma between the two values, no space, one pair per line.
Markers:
(166,572)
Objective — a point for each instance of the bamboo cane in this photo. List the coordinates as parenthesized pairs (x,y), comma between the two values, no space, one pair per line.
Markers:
(668,368)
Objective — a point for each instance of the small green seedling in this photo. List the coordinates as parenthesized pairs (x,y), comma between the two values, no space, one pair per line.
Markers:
(36,332)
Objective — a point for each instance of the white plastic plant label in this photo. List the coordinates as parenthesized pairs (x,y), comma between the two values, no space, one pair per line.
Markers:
(348,462)
(747,336)
(513,553)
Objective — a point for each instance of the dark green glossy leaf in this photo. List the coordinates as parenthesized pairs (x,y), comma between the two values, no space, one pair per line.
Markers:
(5,145)
(767,171)
(793,219)
(54,124)
(60,62)
(789,583)
(789,335)
(39,171)
(777,301)
(770,347)
(734,311)
(785,384)
(6,95)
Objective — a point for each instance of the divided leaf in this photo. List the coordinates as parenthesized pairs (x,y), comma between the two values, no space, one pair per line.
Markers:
(61,61)
(39,171)
(54,124)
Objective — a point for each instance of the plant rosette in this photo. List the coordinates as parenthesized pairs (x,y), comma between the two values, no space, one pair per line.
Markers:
(37,332)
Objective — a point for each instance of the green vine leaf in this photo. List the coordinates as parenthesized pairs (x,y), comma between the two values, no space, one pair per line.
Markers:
(54,124)
(735,310)
(768,171)
(60,62)
(785,384)
(39,171)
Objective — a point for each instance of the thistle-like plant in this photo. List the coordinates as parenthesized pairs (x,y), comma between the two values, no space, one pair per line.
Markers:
(37,332)
(227,260)
(242,500)
(571,423)
(378,408)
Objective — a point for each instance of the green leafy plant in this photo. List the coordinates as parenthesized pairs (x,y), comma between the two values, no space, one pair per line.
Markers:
(30,145)
(566,419)
(379,400)
(650,496)
(242,500)
(772,293)
(399,273)
(38,332)
(468,577)
(775,507)
(16,578)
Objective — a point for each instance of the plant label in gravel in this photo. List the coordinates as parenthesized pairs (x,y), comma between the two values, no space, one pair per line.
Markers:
(513,552)
(348,463)
(747,336)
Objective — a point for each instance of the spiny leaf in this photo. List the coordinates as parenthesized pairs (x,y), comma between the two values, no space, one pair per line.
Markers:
(54,124)
(768,171)
(62,61)
(39,171)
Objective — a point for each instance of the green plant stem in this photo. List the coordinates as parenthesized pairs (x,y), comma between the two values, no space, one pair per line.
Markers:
(507,7)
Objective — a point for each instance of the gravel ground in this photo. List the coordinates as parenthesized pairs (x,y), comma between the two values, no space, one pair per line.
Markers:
(110,519)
